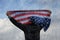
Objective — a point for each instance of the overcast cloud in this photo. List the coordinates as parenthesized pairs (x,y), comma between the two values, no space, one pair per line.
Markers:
(10,32)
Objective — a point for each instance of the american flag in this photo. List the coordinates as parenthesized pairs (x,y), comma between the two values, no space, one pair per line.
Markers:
(24,16)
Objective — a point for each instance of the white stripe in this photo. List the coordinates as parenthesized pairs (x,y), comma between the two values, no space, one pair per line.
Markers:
(43,12)
(17,13)
(24,21)
(20,17)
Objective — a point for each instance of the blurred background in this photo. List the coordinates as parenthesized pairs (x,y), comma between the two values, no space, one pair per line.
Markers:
(10,32)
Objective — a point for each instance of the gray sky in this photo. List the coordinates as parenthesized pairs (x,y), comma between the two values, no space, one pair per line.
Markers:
(10,32)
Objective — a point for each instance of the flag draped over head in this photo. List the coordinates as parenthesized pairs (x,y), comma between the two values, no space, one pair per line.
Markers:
(40,18)
(24,16)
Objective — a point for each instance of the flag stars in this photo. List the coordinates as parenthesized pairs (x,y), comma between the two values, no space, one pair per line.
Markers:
(39,21)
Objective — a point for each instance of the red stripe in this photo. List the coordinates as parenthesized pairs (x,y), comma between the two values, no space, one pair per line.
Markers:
(31,14)
(27,23)
(12,12)
(22,19)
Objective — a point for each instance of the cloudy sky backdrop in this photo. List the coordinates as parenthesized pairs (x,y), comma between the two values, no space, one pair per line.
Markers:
(10,32)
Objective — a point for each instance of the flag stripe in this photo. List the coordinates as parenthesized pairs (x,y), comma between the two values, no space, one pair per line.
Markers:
(30,14)
(23,19)
(23,11)
(20,17)
(17,13)
(27,23)
(24,22)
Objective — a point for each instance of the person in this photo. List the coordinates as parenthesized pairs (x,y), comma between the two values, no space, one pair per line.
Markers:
(32,31)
